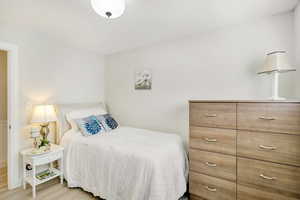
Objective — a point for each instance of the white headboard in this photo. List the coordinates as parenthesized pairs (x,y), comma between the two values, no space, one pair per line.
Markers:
(62,109)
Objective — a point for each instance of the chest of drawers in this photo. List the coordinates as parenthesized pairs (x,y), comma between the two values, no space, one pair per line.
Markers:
(244,150)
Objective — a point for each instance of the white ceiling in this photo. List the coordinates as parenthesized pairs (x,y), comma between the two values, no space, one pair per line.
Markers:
(144,22)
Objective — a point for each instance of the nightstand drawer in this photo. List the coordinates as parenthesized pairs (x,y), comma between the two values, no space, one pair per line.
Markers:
(213,139)
(219,115)
(46,158)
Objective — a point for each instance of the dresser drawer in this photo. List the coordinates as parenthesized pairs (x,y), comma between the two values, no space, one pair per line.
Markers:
(270,177)
(281,148)
(213,139)
(219,115)
(211,188)
(249,193)
(271,117)
(213,164)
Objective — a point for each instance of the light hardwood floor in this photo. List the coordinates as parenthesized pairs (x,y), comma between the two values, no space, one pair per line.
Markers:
(50,191)
(47,191)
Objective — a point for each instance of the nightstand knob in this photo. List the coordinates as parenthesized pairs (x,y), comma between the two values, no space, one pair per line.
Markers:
(28,167)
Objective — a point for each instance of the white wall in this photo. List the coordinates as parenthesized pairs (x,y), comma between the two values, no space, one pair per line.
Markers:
(216,65)
(297,44)
(50,72)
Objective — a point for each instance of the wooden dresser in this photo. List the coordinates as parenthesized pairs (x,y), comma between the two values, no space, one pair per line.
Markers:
(246,150)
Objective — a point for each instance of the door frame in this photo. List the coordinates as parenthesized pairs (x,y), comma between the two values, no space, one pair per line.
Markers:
(13,134)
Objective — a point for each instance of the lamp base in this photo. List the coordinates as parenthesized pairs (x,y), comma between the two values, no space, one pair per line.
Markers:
(44,133)
(275,87)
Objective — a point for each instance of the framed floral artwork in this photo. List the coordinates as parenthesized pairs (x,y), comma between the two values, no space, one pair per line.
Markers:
(143,80)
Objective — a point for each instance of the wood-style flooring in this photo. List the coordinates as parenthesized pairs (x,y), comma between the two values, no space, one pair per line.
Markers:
(51,190)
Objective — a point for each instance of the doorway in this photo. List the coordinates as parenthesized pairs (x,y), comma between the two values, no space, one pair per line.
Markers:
(10,166)
(3,119)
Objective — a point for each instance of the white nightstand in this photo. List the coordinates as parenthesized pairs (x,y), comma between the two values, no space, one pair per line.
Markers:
(29,176)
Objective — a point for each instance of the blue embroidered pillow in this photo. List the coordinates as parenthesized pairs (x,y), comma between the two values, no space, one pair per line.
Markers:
(90,126)
(108,122)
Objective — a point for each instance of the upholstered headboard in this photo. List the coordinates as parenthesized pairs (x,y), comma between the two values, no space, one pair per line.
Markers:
(62,109)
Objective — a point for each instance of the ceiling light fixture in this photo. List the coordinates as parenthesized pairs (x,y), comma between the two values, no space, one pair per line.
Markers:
(109,9)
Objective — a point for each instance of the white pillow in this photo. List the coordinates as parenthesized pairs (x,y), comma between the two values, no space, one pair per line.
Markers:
(82,113)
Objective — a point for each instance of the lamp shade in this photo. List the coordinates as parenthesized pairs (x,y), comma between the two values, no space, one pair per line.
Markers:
(276,62)
(43,114)
(109,8)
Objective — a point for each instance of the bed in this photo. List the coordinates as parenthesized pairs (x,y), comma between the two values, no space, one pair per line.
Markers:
(126,163)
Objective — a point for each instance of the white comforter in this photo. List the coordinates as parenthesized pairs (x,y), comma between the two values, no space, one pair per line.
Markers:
(127,164)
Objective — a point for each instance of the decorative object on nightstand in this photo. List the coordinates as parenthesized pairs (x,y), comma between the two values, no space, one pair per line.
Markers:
(275,63)
(35,178)
(35,134)
(43,115)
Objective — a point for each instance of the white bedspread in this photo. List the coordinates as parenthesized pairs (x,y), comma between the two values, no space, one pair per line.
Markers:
(127,164)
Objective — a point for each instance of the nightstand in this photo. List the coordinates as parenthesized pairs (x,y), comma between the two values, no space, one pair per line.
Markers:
(34,160)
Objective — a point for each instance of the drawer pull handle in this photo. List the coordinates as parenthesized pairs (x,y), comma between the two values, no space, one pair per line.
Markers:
(267,177)
(210,140)
(211,189)
(267,118)
(211,115)
(211,164)
(267,147)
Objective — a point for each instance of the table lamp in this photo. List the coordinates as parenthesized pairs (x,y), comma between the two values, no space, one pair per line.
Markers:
(276,62)
(43,115)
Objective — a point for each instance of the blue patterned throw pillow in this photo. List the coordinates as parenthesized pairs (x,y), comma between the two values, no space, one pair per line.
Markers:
(90,126)
(108,122)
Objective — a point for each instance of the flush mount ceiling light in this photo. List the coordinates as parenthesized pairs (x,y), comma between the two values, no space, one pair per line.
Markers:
(109,9)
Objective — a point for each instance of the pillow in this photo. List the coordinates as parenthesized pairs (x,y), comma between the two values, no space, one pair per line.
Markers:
(62,109)
(83,113)
(90,126)
(108,122)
